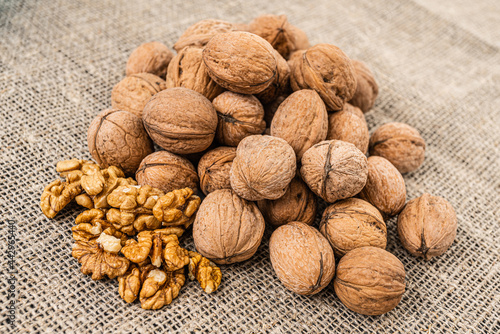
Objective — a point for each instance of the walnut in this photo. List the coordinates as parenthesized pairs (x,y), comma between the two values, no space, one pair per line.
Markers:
(201,32)
(280,84)
(276,30)
(129,285)
(174,256)
(370,281)
(366,89)
(57,195)
(160,288)
(427,226)
(263,168)
(91,223)
(240,61)
(302,258)
(334,170)
(167,171)
(385,187)
(117,138)
(301,40)
(271,108)
(180,120)
(349,124)
(353,223)
(188,70)
(227,228)
(152,57)
(399,143)
(214,168)
(138,251)
(298,204)
(134,91)
(177,208)
(205,271)
(301,120)
(327,70)
(239,115)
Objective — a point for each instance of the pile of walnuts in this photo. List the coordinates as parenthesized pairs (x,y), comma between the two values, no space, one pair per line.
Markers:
(266,126)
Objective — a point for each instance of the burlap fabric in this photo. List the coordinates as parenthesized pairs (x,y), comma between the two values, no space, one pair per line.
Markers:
(438,66)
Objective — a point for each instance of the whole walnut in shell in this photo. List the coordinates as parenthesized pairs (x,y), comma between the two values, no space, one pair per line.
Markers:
(134,91)
(399,143)
(385,187)
(366,89)
(334,170)
(152,57)
(271,108)
(180,120)
(240,62)
(427,226)
(301,40)
(302,258)
(214,168)
(201,32)
(297,204)
(327,70)
(263,168)
(239,115)
(187,70)
(280,84)
(301,120)
(166,171)
(276,30)
(117,138)
(227,228)
(353,223)
(349,124)
(370,281)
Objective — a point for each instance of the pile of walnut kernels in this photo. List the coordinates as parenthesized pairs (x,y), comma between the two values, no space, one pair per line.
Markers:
(265,125)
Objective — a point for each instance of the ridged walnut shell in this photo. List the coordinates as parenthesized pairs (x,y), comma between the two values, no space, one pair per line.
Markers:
(166,171)
(240,62)
(214,168)
(385,187)
(349,124)
(399,143)
(370,281)
(263,168)
(302,258)
(276,30)
(152,57)
(201,32)
(187,70)
(327,70)
(366,89)
(239,116)
(180,120)
(297,204)
(280,84)
(134,91)
(427,226)
(353,223)
(117,138)
(227,228)
(334,170)
(301,120)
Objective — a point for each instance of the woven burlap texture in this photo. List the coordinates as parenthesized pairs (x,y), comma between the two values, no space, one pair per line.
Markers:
(438,67)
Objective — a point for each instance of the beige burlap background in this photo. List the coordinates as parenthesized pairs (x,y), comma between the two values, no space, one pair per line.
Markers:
(438,67)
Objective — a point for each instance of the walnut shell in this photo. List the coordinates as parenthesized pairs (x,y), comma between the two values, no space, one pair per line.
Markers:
(180,120)
(399,143)
(152,57)
(297,204)
(201,32)
(385,187)
(240,62)
(302,258)
(271,108)
(301,40)
(187,70)
(276,30)
(239,116)
(263,168)
(366,89)
(166,171)
(353,223)
(349,124)
(301,120)
(117,138)
(334,170)
(370,281)
(280,84)
(427,226)
(214,168)
(327,70)
(227,228)
(133,92)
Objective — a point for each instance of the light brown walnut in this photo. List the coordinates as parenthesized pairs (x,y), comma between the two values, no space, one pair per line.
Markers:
(57,195)
(152,57)
(129,284)
(349,124)
(204,271)
(177,208)
(200,33)
(160,288)
(280,84)
(214,168)
(276,30)
(366,89)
